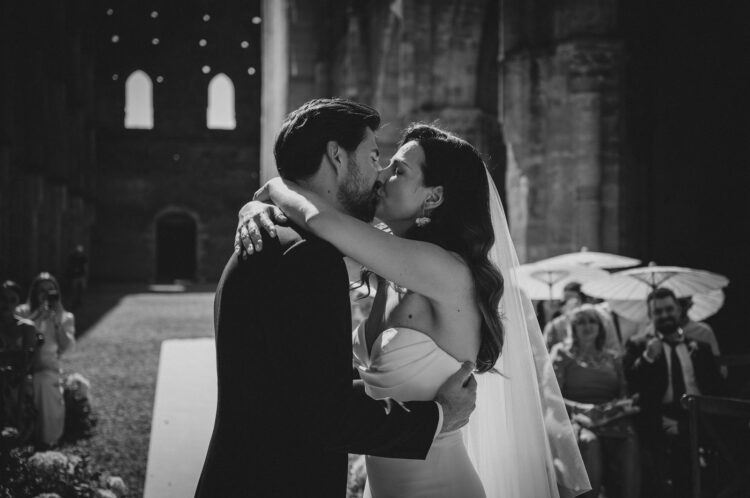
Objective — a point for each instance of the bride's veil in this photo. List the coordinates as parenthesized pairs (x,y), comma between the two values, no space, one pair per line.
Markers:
(519,437)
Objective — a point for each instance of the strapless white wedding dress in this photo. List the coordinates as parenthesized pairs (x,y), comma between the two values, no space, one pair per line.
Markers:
(407,365)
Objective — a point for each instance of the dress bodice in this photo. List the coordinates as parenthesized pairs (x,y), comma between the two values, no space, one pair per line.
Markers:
(407,365)
(404,364)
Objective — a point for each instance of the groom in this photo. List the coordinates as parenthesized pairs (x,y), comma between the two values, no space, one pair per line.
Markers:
(288,412)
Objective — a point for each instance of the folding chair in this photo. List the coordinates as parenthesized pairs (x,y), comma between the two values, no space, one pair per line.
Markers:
(703,425)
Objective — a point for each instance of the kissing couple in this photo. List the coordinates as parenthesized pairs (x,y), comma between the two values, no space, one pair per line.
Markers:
(456,396)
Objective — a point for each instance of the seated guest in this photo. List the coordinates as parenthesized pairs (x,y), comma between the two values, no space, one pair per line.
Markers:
(44,308)
(699,331)
(660,367)
(592,381)
(558,329)
(17,340)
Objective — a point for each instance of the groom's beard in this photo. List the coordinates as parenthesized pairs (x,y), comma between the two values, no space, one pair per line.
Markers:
(355,197)
(666,325)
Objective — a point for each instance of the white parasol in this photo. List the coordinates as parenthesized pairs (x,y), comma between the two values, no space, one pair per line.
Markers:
(591,259)
(543,282)
(636,284)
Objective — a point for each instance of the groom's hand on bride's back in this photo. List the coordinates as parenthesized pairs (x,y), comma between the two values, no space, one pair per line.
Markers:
(457,396)
(253,217)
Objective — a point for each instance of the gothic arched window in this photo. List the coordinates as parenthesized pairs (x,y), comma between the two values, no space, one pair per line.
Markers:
(139,108)
(220,112)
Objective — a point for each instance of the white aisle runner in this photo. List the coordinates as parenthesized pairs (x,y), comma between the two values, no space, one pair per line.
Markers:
(184,410)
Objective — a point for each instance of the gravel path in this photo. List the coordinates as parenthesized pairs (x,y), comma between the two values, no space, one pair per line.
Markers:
(119,354)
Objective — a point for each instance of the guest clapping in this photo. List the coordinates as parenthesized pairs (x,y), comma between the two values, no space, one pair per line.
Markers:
(661,366)
(44,308)
(592,381)
(697,331)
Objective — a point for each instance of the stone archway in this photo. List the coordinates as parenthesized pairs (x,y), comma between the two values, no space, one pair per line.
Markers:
(176,246)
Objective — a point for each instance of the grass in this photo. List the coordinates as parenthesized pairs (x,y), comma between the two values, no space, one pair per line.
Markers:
(119,353)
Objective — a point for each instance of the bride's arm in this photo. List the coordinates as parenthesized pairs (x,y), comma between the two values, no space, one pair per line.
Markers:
(422,267)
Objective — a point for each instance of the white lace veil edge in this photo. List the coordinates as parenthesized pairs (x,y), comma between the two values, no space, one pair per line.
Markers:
(519,437)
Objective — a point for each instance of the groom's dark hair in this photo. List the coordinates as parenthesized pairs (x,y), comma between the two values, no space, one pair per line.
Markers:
(303,137)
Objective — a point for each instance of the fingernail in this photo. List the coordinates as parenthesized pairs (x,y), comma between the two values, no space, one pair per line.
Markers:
(272,233)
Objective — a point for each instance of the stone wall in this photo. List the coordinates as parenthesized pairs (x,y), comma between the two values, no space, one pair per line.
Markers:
(414,60)
(47,136)
(179,166)
(71,173)
(684,148)
(561,90)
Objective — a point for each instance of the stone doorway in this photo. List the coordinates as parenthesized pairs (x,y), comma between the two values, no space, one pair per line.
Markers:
(176,242)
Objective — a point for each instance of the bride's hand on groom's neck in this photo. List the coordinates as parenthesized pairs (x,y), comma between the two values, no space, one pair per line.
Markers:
(254,217)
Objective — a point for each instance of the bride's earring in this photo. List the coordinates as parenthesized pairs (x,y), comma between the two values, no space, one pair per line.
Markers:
(422,220)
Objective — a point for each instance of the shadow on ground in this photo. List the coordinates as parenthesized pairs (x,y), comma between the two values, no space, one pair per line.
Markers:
(101,298)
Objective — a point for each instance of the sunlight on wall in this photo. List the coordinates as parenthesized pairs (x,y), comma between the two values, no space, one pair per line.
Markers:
(139,109)
(220,112)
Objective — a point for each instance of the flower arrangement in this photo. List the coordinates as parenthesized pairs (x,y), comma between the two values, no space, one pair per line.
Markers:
(51,474)
(357,476)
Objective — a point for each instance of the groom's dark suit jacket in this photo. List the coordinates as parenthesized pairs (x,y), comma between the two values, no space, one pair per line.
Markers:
(288,411)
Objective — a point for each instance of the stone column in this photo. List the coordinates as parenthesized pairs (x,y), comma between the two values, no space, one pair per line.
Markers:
(275,80)
(522,129)
(591,69)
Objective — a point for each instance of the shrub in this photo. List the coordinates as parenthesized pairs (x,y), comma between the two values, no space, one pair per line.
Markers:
(51,473)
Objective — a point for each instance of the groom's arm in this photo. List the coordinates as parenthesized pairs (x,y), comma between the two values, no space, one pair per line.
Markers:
(372,427)
(340,415)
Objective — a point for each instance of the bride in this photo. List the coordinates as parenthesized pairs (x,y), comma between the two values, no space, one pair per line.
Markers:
(442,300)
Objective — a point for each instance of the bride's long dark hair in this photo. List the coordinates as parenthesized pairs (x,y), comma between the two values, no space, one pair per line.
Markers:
(463,224)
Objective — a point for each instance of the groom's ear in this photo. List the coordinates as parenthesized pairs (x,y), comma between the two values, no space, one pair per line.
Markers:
(435,198)
(336,155)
